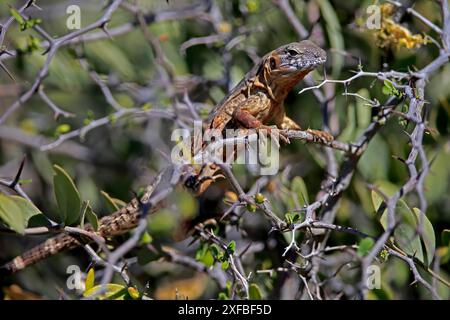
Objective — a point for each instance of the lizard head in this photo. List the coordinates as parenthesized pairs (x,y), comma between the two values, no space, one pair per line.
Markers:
(295,58)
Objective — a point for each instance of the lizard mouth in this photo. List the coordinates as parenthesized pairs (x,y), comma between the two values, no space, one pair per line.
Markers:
(303,64)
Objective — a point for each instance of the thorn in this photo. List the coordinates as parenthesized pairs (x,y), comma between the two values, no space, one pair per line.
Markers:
(399,159)
(105,30)
(7,71)
(47,50)
(19,172)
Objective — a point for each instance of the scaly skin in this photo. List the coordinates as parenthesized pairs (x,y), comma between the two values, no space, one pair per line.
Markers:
(256,102)
(117,223)
(258,99)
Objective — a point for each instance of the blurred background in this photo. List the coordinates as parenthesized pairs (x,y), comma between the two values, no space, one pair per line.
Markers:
(165,56)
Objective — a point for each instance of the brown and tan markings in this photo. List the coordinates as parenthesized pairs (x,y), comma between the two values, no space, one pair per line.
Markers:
(255,103)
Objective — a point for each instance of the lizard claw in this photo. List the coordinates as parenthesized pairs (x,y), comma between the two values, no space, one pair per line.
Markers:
(276,133)
(321,136)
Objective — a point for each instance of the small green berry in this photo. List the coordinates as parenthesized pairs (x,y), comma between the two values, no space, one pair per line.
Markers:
(259,198)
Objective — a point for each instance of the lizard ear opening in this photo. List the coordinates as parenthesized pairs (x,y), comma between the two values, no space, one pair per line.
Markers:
(272,63)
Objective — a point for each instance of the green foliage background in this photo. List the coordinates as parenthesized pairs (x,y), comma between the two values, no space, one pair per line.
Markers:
(123,156)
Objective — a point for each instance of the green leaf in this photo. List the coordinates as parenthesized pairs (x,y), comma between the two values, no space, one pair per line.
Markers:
(225,265)
(254,292)
(15,211)
(438,179)
(292,217)
(405,234)
(215,250)
(299,187)
(92,218)
(134,293)
(207,259)
(206,254)
(428,237)
(387,188)
(333,27)
(445,237)
(11,214)
(67,196)
(39,220)
(146,238)
(231,247)
(87,214)
(112,204)
(27,208)
(365,245)
(90,278)
(374,163)
(43,165)
(388,88)
(113,292)
(222,296)
(363,111)
(110,57)
(16,15)
(348,133)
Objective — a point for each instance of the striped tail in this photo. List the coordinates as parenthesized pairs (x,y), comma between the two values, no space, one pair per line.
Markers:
(48,248)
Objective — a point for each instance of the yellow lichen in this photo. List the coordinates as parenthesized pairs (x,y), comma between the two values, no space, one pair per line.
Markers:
(392,34)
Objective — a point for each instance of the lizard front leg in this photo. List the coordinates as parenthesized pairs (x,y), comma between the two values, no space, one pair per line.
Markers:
(248,121)
(289,124)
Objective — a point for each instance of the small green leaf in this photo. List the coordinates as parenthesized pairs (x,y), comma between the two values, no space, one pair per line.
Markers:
(134,293)
(27,208)
(387,188)
(428,237)
(67,196)
(113,292)
(365,245)
(405,234)
(254,292)
(222,296)
(334,32)
(17,16)
(205,255)
(90,278)
(215,250)
(292,217)
(146,238)
(208,259)
(445,237)
(92,218)
(299,187)
(87,214)
(225,265)
(112,204)
(25,181)
(231,247)
(387,88)
(11,214)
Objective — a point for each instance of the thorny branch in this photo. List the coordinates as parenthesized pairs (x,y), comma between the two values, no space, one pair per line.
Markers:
(319,215)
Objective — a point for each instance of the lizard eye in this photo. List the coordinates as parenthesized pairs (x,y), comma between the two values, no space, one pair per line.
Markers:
(273,63)
(292,52)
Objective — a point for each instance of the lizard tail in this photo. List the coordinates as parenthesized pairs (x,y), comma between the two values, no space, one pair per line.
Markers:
(49,247)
